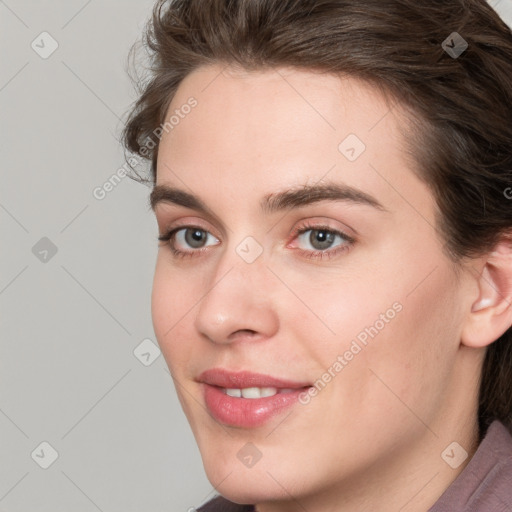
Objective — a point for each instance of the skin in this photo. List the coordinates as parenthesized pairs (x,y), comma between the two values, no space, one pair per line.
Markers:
(372,438)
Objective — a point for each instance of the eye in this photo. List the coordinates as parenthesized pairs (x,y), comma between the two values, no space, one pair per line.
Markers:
(193,237)
(187,240)
(321,241)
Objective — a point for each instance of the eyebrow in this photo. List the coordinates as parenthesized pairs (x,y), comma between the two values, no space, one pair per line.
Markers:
(274,202)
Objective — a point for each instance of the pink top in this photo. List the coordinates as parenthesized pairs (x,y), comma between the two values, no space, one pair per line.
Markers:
(484,485)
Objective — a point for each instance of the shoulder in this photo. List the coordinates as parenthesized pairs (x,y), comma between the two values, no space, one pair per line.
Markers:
(485,484)
(220,504)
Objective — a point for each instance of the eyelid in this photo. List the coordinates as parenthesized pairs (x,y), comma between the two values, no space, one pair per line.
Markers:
(320,223)
(188,222)
(170,211)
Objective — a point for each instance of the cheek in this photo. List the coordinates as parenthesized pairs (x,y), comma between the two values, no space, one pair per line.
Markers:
(170,302)
(405,365)
(426,339)
(397,328)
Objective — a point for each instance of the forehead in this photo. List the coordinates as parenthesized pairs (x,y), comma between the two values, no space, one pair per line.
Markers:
(277,106)
(262,131)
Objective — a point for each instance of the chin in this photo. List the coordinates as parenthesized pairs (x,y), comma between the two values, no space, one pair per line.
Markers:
(249,493)
(243,485)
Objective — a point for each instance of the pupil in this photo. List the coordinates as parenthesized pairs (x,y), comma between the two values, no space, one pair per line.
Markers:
(321,239)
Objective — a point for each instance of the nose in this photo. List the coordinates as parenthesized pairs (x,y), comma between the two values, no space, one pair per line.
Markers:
(237,304)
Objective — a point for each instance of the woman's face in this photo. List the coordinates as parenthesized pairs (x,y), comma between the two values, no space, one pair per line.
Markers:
(346,286)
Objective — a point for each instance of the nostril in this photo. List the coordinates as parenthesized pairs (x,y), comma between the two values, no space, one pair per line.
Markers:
(243,333)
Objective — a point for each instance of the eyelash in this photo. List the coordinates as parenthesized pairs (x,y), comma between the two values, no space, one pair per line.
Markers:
(310,254)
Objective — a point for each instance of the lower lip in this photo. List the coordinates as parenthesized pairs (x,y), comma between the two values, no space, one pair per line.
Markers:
(246,412)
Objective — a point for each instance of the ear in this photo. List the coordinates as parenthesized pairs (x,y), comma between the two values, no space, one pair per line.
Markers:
(491,312)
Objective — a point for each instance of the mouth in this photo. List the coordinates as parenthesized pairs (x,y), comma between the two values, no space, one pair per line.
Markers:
(247,399)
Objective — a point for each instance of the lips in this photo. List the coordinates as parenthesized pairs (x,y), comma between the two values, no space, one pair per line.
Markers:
(247,399)
(244,379)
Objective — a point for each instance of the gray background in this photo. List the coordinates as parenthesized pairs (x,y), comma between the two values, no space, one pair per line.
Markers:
(71,374)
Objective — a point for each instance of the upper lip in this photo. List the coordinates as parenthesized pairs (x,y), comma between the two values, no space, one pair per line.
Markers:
(245,379)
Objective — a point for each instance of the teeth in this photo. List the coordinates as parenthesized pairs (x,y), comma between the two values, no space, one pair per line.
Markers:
(258,392)
(252,392)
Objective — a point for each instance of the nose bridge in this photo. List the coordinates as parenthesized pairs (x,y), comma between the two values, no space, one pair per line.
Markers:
(237,297)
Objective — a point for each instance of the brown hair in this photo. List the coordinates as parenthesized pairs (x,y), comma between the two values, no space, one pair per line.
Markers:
(461,106)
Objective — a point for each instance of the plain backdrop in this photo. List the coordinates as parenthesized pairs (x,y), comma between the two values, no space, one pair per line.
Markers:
(89,419)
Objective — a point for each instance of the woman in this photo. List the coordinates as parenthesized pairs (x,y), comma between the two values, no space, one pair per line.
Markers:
(333,289)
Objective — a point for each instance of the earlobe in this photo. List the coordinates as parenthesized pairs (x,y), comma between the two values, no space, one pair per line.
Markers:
(491,313)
